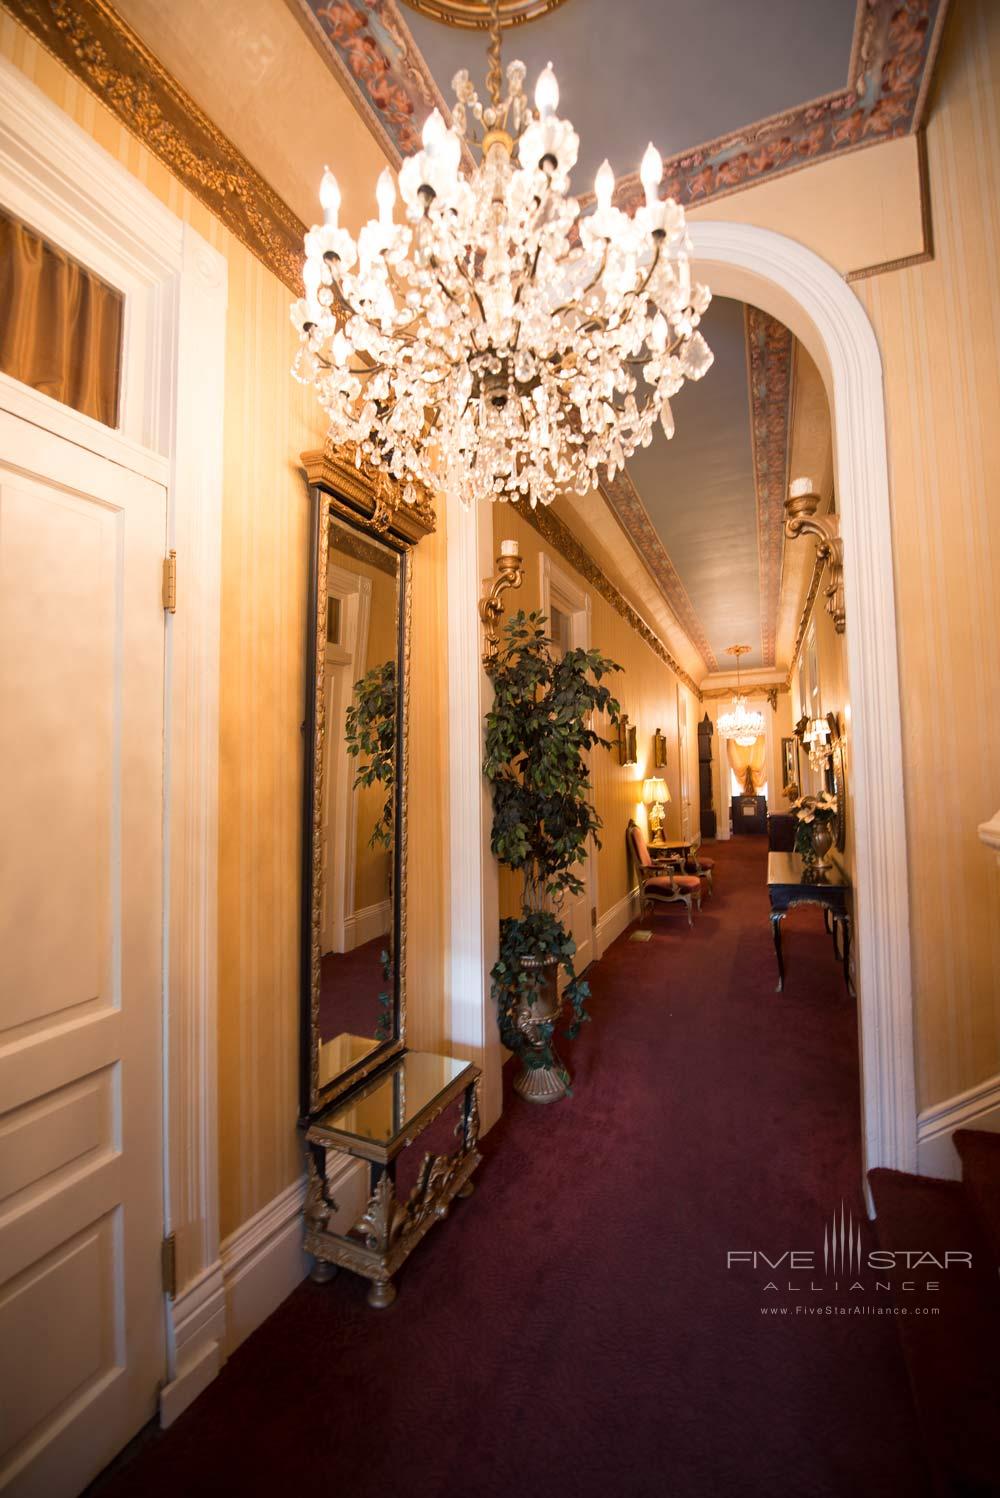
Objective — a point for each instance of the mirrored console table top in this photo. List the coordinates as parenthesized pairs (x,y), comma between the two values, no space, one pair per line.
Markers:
(384,1115)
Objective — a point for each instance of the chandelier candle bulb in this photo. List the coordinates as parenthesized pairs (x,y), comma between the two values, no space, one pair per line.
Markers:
(494,343)
(604,186)
(546,93)
(385,197)
(651,173)
(329,197)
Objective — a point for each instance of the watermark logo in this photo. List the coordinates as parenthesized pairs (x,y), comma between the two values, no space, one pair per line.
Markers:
(843,1270)
(842,1245)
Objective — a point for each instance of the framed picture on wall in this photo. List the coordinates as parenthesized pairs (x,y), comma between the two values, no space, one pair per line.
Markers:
(790,761)
(659,749)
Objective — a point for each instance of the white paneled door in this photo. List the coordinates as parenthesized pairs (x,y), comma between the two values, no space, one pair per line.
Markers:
(81,932)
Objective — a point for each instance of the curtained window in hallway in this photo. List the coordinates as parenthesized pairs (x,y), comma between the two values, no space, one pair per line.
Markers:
(60,325)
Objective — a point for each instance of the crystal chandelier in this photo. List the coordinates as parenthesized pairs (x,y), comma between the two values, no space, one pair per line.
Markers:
(495,344)
(741,723)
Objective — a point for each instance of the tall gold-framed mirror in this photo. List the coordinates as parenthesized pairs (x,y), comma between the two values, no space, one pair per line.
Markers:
(353,978)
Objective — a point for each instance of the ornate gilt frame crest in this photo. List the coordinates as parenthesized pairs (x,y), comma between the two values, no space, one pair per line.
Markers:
(371,502)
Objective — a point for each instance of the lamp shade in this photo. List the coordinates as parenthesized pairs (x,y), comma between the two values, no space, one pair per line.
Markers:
(655,790)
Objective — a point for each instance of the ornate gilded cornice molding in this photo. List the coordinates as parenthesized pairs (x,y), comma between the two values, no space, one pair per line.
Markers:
(769,376)
(370,47)
(552,529)
(92,40)
(625,502)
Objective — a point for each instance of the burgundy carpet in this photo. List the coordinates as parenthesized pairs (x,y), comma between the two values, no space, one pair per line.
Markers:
(350,983)
(573,1328)
(950,1336)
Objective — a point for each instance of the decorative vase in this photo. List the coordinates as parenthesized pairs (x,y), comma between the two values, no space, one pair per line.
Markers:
(822,841)
(540,1081)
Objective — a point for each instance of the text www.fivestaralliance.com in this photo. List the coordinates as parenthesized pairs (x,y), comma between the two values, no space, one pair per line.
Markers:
(850,1310)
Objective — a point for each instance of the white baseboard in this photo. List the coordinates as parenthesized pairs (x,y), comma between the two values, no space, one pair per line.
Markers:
(258,1267)
(979,1108)
(365,924)
(263,1262)
(614,921)
(198,1330)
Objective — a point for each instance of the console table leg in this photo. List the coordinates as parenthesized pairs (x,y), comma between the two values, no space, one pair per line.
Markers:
(322,1272)
(467,1189)
(777,916)
(381,1293)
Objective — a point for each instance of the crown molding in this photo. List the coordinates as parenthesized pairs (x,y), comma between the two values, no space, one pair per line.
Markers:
(770,351)
(100,49)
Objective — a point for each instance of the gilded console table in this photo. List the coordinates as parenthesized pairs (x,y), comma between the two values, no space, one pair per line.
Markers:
(374,1123)
(789,883)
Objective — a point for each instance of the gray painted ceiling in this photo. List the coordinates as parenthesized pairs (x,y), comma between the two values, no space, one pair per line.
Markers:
(677,72)
(698,489)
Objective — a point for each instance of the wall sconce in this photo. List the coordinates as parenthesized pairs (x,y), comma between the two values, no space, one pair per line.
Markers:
(656,794)
(800,508)
(509,574)
(659,750)
(628,751)
(816,738)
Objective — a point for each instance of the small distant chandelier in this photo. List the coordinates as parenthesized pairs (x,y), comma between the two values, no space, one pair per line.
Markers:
(741,723)
(495,344)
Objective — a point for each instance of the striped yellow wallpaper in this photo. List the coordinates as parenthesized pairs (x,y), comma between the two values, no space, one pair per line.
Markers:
(938,326)
(269,422)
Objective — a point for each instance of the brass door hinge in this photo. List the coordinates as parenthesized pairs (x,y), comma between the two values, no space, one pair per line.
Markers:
(170,583)
(168,1264)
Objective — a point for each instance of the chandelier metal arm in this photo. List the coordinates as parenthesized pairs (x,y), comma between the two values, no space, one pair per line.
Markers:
(494,77)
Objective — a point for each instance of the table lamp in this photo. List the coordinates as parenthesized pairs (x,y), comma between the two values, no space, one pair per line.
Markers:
(656,795)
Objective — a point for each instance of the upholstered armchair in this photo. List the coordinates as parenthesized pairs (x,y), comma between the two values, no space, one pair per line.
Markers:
(698,865)
(658,883)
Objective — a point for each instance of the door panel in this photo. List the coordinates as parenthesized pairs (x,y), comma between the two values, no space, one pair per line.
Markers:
(81,782)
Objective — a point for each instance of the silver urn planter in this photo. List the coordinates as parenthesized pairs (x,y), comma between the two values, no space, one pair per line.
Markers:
(822,837)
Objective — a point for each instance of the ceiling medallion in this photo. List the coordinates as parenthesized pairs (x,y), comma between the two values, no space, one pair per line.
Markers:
(474,15)
(741,723)
(494,344)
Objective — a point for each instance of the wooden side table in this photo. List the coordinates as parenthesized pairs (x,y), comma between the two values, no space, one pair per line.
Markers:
(375,1123)
(790,883)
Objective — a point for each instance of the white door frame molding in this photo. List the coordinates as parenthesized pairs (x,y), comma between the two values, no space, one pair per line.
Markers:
(474,899)
(796,286)
(61,182)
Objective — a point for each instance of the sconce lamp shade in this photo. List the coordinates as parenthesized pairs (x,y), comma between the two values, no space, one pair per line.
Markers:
(655,791)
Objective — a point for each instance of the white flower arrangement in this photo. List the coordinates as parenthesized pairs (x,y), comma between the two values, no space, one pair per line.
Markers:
(822,808)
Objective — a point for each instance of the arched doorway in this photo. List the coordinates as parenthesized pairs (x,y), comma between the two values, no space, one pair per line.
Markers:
(794,285)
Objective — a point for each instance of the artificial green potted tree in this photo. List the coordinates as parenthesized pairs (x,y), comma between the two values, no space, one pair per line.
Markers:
(537,733)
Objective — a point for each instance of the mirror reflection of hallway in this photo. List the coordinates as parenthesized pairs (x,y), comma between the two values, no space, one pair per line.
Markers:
(358,807)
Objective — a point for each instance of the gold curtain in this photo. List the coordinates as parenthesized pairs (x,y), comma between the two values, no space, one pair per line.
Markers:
(747,763)
(60,325)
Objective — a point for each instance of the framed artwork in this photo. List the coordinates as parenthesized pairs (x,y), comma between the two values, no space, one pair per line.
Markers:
(790,761)
(659,750)
(628,750)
